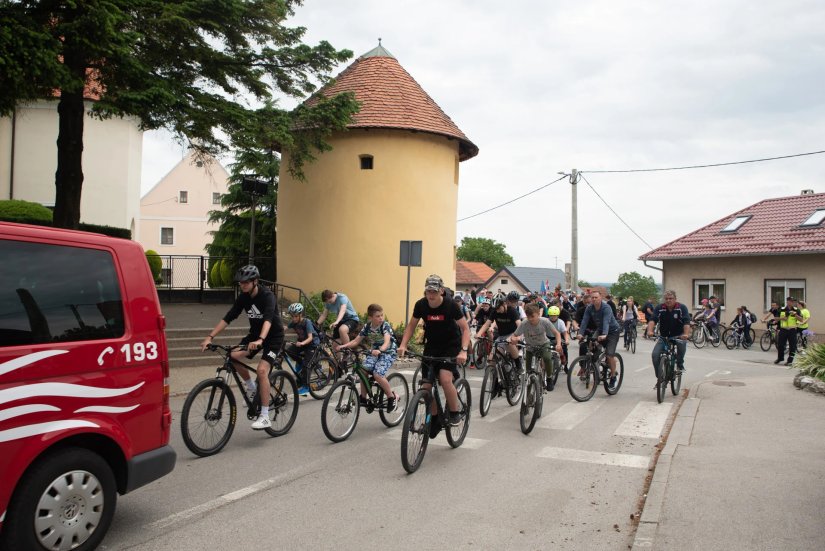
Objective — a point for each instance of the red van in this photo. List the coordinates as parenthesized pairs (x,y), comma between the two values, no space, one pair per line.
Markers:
(84,384)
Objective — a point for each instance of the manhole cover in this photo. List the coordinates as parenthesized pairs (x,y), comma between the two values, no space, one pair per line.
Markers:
(728,383)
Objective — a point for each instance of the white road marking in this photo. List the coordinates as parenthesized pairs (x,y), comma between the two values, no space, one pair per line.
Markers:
(569,415)
(599,458)
(441,440)
(714,372)
(493,417)
(640,369)
(645,421)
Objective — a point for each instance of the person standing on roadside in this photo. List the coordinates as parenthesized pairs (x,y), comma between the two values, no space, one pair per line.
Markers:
(789,318)
(806,317)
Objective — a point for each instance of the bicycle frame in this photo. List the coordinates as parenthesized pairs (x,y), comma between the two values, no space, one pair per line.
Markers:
(229,365)
(366,378)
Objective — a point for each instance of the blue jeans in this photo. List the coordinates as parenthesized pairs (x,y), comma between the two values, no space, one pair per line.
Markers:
(681,348)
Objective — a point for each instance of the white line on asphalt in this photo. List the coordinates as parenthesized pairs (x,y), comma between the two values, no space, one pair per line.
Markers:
(569,415)
(599,458)
(493,417)
(441,440)
(640,369)
(645,421)
(712,373)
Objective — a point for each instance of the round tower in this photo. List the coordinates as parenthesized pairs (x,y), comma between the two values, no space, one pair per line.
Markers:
(391,177)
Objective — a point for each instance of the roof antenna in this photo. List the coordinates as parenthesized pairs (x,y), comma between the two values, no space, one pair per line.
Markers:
(379,40)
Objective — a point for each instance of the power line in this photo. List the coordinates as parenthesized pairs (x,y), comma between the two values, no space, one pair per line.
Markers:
(702,166)
(511,200)
(614,212)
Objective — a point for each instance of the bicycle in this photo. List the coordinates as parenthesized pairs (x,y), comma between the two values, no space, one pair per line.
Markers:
(416,431)
(342,405)
(732,328)
(481,350)
(502,375)
(667,372)
(209,413)
(321,370)
(532,392)
(768,338)
(462,369)
(630,339)
(582,385)
(734,338)
(701,335)
(801,340)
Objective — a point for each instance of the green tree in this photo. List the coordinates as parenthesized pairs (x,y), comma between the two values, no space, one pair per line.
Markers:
(583,284)
(636,285)
(195,67)
(481,249)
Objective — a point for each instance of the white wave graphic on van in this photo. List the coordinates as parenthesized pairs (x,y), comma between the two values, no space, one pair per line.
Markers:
(54,390)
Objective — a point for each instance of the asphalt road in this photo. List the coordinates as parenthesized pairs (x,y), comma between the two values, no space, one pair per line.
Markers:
(572,484)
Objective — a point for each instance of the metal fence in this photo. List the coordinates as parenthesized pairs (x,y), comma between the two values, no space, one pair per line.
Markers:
(191,272)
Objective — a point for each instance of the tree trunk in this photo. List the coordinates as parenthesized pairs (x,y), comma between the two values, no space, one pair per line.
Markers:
(68,181)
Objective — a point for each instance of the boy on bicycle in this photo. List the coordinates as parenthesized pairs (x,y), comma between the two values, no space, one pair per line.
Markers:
(380,341)
(506,320)
(538,332)
(446,334)
(306,341)
(265,333)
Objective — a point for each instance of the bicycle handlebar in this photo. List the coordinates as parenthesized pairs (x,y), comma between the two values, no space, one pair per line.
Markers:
(445,359)
(215,347)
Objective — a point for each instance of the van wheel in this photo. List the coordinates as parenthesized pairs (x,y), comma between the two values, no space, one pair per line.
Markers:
(65,501)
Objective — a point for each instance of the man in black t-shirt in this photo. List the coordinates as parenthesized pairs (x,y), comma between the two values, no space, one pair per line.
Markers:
(446,335)
(266,332)
(648,311)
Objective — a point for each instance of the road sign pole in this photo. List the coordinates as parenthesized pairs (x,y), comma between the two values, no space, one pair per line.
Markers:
(407,311)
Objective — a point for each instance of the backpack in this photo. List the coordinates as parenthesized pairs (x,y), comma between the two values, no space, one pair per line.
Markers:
(753,317)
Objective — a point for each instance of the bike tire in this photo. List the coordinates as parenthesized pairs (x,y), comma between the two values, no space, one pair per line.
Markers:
(207,429)
(676,382)
(556,368)
(415,433)
(530,404)
(730,340)
(699,338)
(619,376)
(488,389)
(765,341)
(715,337)
(320,377)
(339,414)
(633,343)
(582,386)
(514,388)
(398,384)
(752,335)
(416,378)
(283,402)
(456,434)
(661,383)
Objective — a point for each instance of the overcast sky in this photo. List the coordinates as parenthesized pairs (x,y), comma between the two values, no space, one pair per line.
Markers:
(544,87)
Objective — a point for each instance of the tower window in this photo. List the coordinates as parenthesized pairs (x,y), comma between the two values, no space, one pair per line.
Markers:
(366,162)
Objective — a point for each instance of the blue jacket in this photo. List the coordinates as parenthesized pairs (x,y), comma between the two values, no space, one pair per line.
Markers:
(604,318)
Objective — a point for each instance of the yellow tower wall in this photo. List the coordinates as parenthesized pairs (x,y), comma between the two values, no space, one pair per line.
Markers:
(340,229)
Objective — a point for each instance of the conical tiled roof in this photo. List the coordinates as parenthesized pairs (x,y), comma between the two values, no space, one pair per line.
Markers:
(391,98)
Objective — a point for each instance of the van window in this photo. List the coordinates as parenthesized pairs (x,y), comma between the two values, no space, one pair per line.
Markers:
(53,293)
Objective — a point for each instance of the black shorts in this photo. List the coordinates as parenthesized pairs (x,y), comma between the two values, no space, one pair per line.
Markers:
(270,348)
(430,368)
(610,343)
(352,324)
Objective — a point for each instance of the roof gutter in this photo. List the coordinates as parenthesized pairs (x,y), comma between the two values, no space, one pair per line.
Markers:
(652,267)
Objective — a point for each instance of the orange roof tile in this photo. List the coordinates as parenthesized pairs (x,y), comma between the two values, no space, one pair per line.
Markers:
(391,98)
(469,273)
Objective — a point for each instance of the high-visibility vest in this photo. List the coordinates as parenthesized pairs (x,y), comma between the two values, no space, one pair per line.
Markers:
(786,321)
(805,315)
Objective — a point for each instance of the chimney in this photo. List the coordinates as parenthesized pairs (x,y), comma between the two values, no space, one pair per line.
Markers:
(807,192)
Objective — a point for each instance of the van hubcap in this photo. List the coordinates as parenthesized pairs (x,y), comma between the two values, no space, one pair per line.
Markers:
(69,511)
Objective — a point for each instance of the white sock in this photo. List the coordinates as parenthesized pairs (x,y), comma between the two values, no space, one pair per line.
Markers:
(251,386)
(264,411)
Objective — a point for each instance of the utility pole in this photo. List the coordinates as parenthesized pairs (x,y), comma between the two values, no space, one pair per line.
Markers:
(574,248)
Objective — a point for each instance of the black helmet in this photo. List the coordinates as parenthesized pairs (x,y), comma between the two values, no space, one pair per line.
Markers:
(513,296)
(497,301)
(246,273)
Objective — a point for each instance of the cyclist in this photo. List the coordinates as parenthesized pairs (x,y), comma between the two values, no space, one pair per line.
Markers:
(647,308)
(539,332)
(554,313)
(789,318)
(629,317)
(506,320)
(346,320)
(674,322)
(306,341)
(266,332)
(742,325)
(446,334)
(772,317)
(513,300)
(607,329)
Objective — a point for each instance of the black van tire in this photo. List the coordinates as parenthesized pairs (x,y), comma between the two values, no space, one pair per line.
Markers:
(19,527)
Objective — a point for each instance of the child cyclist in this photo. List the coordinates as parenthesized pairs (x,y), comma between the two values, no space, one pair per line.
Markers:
(554,313)
(538,331)
(446,334)
(304,346)
(380,341)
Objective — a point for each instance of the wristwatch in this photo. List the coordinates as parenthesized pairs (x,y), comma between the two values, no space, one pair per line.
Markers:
(465,349)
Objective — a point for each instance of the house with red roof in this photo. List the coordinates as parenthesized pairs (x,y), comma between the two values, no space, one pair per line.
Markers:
(471,274)
(761,254)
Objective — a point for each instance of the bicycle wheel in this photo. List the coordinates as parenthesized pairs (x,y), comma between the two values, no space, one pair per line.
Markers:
(456,434)
(715,337)
(699,337)
(514,387)
(582,380)
(208,417)
(339,414)
(416,431)
(283,402)
(320,377)
(556,368)
(752,335)
(398,384)
(530,404)
(661,383)
(633,342)
(730,340)
(676,382)
(488,389)
(765,341)
(416,378)
(619,376)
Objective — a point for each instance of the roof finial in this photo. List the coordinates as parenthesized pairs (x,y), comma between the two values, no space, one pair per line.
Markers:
(379,40)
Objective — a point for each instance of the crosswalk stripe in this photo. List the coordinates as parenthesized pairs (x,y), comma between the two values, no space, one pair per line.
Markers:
(493,417)
(569,415)
(441,440)
(599,458)
(645,421)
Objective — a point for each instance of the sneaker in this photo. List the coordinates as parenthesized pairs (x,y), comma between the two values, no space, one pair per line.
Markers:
(565,368)
(778,361)
(612,382)
(680,368)
(455,418)
(548,384)
(391,402)
(789,362)
(303,390)
(362,401)
(261,423)
(435,426)
(251,393)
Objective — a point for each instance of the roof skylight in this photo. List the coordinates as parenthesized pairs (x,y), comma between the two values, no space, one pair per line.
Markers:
(815,219)
(735,224)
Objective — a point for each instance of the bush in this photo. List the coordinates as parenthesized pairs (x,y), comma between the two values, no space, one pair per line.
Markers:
(812,361)
(155,264)
(227,272)
(24,212)
(111,231)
